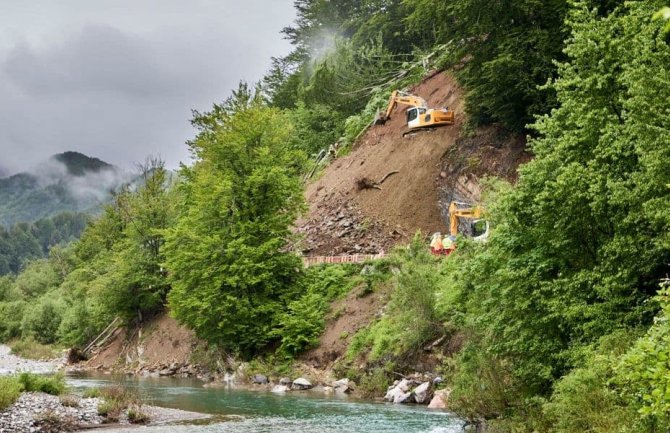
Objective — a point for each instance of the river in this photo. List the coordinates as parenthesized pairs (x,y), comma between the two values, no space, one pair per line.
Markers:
(243,411)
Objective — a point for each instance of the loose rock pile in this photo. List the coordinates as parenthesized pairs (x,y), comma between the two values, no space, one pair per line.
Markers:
(418,389)
(340,228)
(33,412)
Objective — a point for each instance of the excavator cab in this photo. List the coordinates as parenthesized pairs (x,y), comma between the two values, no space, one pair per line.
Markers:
(480,230)
(418,113)
(414,115)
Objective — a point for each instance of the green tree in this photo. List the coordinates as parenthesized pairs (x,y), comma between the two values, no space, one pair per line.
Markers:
(509,49)
(581,242)
(226,255)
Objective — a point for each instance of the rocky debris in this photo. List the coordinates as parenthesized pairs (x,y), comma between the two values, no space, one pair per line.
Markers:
(404,398)
(166,370)
(10,364)
(343,386)
(413,389)
(35,412)
(280,389)
(259,379)
(301,384)
(339,227)
(422,393)
(440,400)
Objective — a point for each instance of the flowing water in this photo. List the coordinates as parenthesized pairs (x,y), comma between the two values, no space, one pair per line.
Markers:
(242,411)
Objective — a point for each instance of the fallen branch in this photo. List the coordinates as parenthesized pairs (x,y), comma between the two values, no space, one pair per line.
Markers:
(389,174)
(366,183)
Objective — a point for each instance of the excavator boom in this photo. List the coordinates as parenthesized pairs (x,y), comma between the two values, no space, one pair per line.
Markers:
(418,115)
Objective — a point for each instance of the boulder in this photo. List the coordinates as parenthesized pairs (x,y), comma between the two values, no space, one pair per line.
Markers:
(259,379)
(403,398)
(343,386)
(422,393)
(301,384)
(404,385)
(440,399)
(280,389)
(393,393)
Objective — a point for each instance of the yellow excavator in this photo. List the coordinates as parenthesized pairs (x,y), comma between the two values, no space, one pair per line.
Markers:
(479,228)
(418,115)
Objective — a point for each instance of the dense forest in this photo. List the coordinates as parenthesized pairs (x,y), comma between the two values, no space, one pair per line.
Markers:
(25,241)
(562,313)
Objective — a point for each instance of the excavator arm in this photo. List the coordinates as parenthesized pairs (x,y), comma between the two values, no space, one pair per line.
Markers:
(399,97)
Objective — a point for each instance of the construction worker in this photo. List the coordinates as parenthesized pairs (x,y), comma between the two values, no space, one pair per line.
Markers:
(436,246)
(448,244)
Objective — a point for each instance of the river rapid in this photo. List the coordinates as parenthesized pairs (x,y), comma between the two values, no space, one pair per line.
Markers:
(243,411)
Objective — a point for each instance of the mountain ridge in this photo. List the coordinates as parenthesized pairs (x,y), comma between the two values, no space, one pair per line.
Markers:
(65,182)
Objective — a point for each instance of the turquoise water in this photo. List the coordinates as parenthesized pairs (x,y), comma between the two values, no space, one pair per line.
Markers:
(243,411)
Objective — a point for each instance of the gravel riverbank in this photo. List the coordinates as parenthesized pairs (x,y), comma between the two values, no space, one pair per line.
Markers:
(10,364)
(38,412)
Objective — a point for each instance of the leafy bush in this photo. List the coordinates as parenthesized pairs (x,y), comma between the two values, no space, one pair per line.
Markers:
(410,320)
(301,324)
(643,373)
(11,316)
(54,384)
(10,390)
(41,321)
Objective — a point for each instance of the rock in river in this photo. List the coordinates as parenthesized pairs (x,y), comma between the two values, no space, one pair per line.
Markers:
(301,384)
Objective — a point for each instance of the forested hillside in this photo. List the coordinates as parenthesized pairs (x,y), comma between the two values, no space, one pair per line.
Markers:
(66,182)
(25,241)
(556,324)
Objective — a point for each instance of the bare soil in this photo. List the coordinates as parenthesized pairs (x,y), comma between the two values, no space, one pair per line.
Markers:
(160,342)
(433,167)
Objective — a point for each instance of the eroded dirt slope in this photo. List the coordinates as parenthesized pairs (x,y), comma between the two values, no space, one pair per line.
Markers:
(434,167)
(158,344)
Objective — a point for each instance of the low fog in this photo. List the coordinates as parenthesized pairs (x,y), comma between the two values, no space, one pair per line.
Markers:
(89,188)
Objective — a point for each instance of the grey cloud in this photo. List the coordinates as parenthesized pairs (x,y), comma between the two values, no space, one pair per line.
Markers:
(117,91)
(98,59)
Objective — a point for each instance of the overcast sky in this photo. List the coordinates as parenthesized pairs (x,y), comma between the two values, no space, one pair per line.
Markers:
(117,79)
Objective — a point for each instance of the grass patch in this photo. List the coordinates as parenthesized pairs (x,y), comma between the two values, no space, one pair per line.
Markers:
(54,384)
(50,421)
(92,393)
(116,399)
(10,390)
(136,416)
(31,349)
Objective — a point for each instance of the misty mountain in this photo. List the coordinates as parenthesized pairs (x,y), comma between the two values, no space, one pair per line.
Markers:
(66,182)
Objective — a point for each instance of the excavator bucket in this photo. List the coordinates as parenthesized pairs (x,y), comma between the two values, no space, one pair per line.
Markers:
(380,118)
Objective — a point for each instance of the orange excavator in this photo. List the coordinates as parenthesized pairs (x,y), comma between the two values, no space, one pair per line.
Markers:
(479,228)
(418,115)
